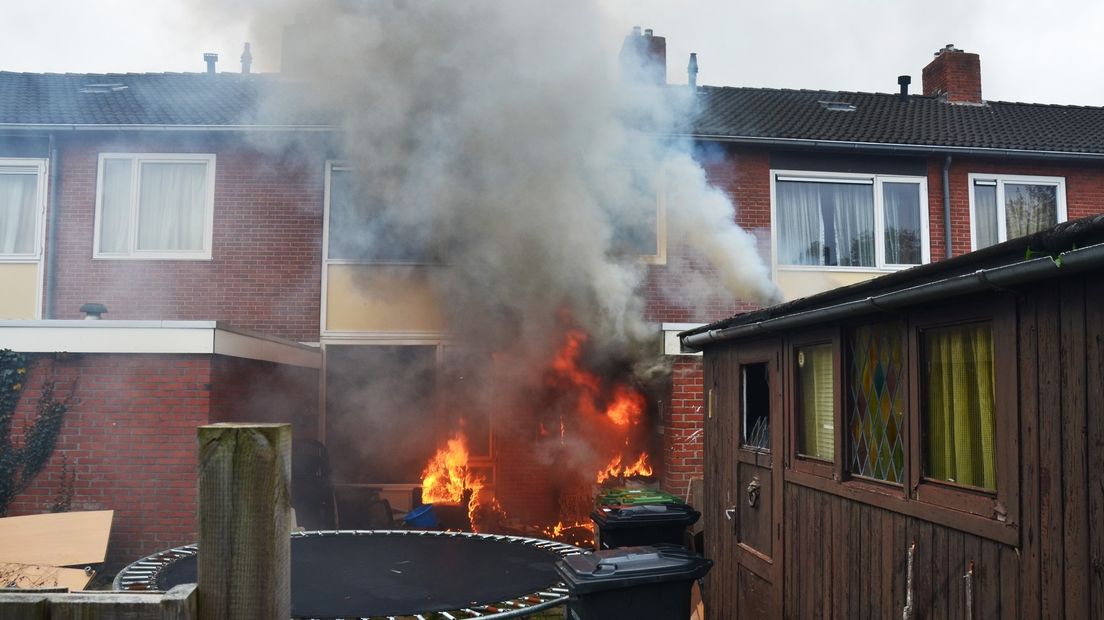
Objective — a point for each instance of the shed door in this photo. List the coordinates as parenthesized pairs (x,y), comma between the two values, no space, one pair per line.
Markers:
(746,402)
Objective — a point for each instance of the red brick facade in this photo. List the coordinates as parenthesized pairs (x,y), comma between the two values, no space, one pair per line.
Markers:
(265,271)
(129,437)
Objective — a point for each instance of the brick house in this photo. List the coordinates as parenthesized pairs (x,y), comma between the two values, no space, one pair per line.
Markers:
(839,187)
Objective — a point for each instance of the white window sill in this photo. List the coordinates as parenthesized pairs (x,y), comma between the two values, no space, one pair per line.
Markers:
(153,257)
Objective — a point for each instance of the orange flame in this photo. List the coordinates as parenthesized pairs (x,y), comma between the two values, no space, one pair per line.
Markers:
(616,470)
(625,405)
(446,476)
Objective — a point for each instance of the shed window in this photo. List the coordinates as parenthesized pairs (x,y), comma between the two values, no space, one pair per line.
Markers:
(958,396)
(815,398)
(877,392)
(755,397)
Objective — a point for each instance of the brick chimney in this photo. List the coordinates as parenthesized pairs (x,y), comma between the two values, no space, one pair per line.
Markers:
(954,74)
(644,57)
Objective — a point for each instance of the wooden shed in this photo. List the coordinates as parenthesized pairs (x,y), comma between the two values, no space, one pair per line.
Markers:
(929,444)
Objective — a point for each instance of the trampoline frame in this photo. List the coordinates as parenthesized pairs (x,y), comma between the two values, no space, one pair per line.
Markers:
(142,574)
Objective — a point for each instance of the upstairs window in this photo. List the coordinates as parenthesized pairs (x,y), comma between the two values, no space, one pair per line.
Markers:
(853,221)
(361,230)
(1005,207)
(20,205)
(155,206)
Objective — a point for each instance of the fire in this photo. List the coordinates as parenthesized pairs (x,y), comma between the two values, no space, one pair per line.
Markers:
(623,406)
(446,476)
(616,470)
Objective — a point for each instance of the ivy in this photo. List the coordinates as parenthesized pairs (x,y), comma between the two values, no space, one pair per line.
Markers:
(20,465)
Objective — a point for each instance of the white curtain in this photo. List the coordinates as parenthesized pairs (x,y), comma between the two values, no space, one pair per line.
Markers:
(18,197)
(902,223)
(171,206)
(985,215)
(853,224)
(800,225)
(115,206)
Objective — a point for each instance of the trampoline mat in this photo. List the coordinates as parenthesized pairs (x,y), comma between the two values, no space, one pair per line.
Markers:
(381,575)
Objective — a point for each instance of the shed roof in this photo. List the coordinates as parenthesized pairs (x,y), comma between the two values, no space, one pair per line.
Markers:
(1082,235)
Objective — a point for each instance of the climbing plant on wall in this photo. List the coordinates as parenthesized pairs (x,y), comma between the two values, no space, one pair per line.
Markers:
(20,464)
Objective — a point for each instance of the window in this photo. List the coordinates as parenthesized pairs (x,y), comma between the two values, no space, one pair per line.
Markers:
(877,394)
(851,221)
(360,229)
(155,206)
(958,397)
(21,199)
(755,401)
(815,402)
(1005,207)
(639,227)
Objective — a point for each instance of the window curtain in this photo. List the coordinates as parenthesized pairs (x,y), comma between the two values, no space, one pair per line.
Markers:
(171,206)
(800,226)
(985,215)
(853,224)
(18,195)
(115,206)
(959,396)
(814,375)
(1029,208)
(901,203)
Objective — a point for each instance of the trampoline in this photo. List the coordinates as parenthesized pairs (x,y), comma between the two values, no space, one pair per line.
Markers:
(387,573)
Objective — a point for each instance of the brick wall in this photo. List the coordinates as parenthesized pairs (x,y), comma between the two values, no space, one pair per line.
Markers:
(683,424)
(266,268)
(129,441)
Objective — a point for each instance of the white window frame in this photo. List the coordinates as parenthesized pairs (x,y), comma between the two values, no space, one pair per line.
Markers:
(999,180)
(877,182)
(39,167)
(137,159)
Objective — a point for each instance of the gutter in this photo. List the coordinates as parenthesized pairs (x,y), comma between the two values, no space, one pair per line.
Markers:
(51,231)
(981,280)
(163,127)
(947,207)
(901,149)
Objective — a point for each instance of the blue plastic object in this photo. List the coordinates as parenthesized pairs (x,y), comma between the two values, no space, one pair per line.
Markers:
(422,516)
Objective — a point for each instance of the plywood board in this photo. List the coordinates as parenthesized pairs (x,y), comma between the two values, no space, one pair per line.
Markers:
(32,576)
(59,539)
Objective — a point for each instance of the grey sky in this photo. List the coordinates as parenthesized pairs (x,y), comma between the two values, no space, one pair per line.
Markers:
(1047,52)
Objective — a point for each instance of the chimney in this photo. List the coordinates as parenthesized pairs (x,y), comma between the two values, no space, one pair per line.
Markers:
(644,57)
(954,75)
(692,70)
(246,59)
(210,58)
(903,81)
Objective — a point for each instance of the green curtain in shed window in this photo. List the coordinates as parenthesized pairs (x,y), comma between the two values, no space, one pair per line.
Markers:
(958,394)
(815,402)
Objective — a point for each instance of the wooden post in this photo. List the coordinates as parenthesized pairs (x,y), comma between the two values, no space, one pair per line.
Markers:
(245,521)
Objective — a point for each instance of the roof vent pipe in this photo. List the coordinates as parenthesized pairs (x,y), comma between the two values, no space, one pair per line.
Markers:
(210,58)
(903,81)
(692,70)
(93,311)
(246,59)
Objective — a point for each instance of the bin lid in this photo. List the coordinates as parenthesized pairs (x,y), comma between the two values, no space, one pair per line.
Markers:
(611,517)
(630,566)
(623,497)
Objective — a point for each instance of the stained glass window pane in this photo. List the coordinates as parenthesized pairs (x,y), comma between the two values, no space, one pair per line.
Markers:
(876,388)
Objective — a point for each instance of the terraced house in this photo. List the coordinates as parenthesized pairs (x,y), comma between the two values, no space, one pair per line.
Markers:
(156,195)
